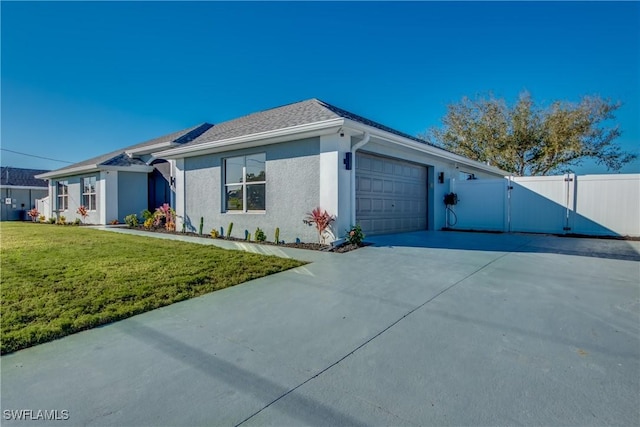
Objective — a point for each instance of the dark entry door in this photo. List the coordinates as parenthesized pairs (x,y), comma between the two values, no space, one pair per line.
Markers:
(159,186)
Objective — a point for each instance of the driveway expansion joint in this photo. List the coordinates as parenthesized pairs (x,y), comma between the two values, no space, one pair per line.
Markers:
(378,334)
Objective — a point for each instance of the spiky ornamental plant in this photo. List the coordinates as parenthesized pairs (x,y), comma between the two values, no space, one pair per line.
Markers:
(83,212)
(322,220)
(33,214)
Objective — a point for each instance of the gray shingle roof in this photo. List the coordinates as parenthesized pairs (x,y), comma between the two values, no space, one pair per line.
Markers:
(22,177)
(120,158)
(299,113)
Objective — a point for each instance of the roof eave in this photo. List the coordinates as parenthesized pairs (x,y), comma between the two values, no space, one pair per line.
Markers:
(68,172)
(149,148)
(132,168)
(94,168)
(256,139)
(423,147)
(23,187)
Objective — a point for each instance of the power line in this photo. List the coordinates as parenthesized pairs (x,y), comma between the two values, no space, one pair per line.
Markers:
(33,155)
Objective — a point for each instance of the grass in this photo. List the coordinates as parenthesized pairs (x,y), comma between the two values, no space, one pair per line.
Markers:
(58,280)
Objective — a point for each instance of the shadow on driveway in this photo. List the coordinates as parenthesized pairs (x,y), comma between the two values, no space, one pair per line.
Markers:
(513,242)
(263,389)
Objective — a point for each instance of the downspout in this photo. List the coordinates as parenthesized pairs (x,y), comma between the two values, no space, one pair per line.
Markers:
(355,147)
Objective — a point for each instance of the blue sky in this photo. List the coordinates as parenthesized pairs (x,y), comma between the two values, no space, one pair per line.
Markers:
(82,78)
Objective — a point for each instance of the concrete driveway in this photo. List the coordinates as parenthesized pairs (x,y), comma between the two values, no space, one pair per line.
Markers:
(429,328)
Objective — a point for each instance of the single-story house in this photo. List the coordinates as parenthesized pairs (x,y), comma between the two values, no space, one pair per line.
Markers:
(119,183)
(269,169)
(20,188)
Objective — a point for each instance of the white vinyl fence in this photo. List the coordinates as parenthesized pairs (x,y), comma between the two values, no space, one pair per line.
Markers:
(43,206)
(590,204)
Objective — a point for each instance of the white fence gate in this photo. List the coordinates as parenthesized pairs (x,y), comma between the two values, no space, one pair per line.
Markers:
(43,206)
(588,204)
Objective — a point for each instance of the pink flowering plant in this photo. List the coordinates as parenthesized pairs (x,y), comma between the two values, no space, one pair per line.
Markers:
(165,214)
(33,214)
(321,219)
(355,236)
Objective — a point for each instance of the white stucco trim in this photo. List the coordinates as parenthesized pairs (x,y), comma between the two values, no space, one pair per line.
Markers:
(335,182)
(180,191)
(254,140)
(108,196)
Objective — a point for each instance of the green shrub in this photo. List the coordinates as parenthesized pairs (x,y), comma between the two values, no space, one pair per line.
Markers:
(52,220)
(277,236)
(260,236)
(77,221)
(355,236)
(132,220)
(201,225)
(229,230)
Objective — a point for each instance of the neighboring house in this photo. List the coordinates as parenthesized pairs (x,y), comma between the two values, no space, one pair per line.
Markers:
(119,183)
(19,189)
(269,169)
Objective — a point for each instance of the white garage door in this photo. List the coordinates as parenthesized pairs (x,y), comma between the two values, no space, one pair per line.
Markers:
(391,195)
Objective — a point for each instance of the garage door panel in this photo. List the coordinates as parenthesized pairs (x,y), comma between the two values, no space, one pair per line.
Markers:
(391,194)
(363,204)
(365,184)
(364,163)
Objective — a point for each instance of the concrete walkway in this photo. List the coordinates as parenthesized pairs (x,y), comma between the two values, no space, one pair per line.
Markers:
(429,328)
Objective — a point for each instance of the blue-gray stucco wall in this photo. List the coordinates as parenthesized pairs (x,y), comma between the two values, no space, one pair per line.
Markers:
(292,190)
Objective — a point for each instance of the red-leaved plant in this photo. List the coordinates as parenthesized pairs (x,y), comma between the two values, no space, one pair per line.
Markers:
(33,214)
(83,212)
(321,219)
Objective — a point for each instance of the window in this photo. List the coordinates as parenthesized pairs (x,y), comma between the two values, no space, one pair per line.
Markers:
(89,193)
(245,182)
(63,195)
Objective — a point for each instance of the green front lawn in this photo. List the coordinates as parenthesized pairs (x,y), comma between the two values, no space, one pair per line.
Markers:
(57,280)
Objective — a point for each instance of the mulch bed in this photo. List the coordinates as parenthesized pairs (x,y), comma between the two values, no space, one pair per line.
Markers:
(300,245)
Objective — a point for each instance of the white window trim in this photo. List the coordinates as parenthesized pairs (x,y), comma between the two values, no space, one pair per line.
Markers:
(95,193)
(64,196)
(244,185)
